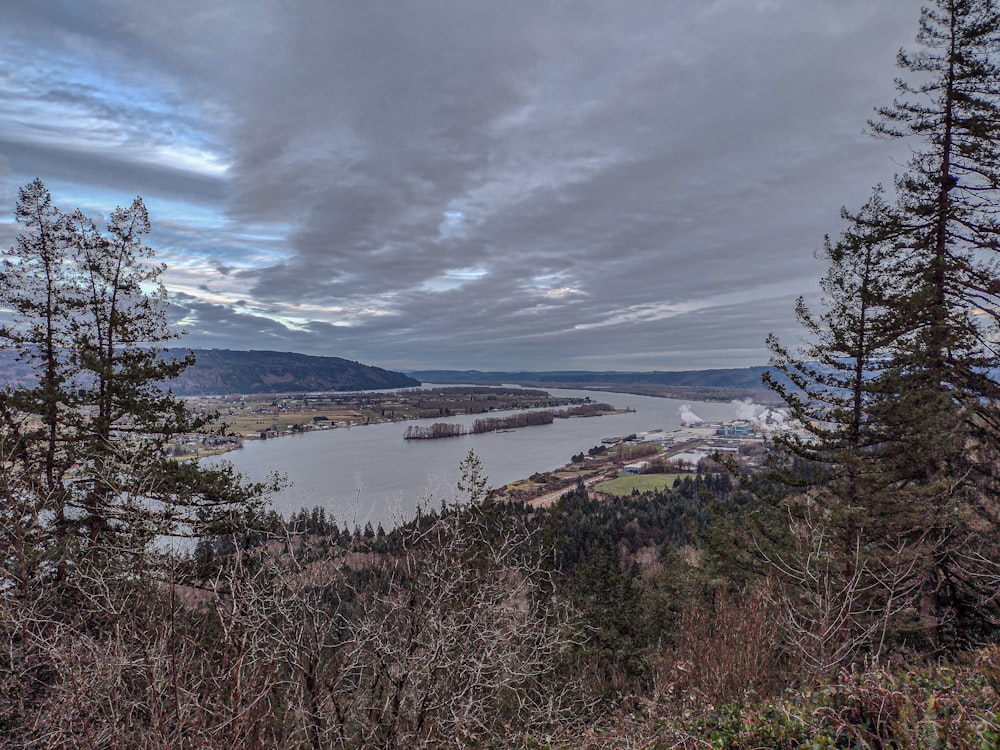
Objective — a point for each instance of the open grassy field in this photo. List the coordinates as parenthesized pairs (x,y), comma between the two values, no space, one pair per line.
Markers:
(624,484)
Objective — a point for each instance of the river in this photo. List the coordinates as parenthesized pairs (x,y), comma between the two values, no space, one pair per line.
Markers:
(370,474)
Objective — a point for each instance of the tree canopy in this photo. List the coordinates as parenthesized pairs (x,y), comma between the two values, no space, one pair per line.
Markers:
(898,390)
(82,451)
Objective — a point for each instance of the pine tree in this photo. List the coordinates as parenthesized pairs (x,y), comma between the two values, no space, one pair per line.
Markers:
(899,388)
(833,388)
(473,484)
(943,380)
(830,550)
(37,418)
(84,444)
(831,385)
(948,199)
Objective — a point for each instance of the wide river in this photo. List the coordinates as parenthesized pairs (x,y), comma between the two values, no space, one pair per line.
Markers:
(370,473)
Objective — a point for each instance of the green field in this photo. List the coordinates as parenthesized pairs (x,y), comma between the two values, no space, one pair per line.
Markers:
(624,484)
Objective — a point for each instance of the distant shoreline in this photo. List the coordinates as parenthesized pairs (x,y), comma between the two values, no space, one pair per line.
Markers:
(684,393)
(708,394)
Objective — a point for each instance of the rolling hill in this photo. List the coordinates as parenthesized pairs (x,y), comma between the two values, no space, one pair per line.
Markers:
(224,371)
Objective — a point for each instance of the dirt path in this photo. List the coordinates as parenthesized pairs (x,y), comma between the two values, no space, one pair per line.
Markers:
(543,501)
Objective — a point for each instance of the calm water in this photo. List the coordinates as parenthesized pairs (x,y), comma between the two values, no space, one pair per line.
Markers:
(363,474)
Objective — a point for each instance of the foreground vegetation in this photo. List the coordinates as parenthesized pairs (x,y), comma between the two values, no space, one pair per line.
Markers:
(594,623)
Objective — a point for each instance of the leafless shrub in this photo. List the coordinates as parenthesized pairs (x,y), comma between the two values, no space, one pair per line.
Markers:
(834,602)
(728,648)
(455,649)
(453,642)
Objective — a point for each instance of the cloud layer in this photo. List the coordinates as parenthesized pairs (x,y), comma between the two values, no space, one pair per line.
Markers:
(443,183)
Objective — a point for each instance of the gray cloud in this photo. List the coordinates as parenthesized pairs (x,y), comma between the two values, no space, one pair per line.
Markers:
(444,183)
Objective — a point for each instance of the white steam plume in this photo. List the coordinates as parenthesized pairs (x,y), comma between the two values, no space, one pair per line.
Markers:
(761,416)
(688,416)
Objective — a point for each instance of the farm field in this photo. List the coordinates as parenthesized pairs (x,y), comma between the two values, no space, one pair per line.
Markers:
(625,484)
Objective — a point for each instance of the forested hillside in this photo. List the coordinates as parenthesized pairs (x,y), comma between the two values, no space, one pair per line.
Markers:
(226,371)
(217,371)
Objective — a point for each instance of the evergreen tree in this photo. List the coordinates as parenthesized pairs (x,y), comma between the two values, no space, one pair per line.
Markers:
(615,616)
(473,484)
(831,385)
(37,417)
(942,385)
(84,445)
(899,388)
(831,545)
(834,390)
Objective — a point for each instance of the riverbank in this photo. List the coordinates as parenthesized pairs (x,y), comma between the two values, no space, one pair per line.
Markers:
(635,463)
(266,417)
(372,474)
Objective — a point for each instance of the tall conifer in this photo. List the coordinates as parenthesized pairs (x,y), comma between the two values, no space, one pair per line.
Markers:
(839,567)
(83,460)
(943,381)
(915,432)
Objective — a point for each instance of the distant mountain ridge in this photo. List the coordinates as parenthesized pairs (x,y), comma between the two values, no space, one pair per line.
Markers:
(748,378)
(226,371)
(229,371)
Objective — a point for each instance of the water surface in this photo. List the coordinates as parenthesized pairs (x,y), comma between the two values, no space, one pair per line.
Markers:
(370,473)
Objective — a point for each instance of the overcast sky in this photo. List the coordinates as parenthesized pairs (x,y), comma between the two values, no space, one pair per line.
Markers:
(488,184)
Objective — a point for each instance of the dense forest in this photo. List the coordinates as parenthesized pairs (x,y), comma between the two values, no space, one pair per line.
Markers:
(844,596)
(216,372)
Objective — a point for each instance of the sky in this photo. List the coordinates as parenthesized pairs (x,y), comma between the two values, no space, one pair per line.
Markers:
(464,184)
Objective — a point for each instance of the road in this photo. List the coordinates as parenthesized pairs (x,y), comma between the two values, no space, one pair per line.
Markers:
(543,501)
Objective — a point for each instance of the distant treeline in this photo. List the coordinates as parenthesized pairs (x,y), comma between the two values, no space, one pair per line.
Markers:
(436,430)
(492,424)
(744,377)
